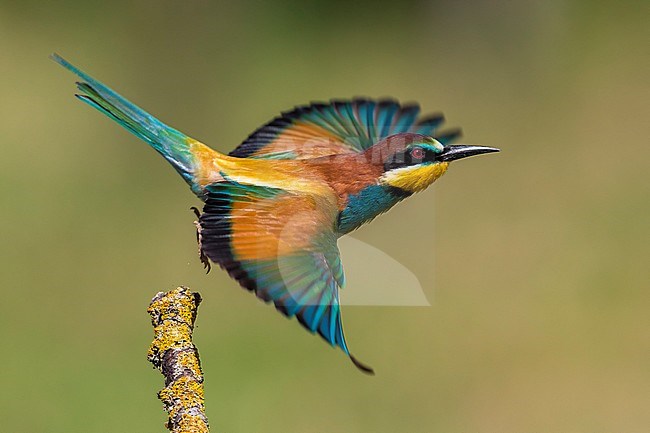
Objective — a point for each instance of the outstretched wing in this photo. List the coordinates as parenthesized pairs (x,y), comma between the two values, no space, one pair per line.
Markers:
(321,129)
(279,245)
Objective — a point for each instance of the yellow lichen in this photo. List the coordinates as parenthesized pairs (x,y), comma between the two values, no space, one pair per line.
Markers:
(173,353)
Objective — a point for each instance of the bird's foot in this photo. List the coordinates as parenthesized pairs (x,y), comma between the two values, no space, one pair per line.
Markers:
(202,256)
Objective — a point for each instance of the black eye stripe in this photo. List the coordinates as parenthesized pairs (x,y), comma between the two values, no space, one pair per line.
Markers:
(406,158)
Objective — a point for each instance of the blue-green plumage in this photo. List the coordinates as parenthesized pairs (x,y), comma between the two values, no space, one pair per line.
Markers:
(370,202)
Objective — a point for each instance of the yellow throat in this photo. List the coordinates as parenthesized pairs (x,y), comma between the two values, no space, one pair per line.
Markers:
(416,178)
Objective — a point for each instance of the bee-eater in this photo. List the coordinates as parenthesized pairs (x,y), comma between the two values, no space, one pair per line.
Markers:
(277,204)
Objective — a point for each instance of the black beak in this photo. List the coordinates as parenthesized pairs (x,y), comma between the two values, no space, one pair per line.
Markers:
(459,151)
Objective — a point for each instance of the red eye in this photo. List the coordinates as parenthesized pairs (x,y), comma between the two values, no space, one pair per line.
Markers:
(417,153)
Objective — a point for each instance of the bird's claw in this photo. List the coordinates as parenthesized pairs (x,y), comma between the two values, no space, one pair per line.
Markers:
(202,256)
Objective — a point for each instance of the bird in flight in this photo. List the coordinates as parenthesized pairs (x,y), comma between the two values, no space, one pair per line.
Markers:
(275,206)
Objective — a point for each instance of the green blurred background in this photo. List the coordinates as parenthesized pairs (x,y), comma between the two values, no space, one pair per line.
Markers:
(535,260)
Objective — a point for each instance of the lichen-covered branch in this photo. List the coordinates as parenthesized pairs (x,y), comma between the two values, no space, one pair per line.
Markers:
(172,352)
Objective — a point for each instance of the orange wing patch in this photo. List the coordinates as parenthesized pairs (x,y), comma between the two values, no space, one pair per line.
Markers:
(278,226)
(306,141)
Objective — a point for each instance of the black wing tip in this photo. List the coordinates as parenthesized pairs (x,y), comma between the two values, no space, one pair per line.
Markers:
(449,134)
(383,101)
(362,367)
(437,117)
(386,100)
(359,99)
(410,106)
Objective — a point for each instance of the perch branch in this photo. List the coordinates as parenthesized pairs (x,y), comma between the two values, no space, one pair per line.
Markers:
(172,352)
